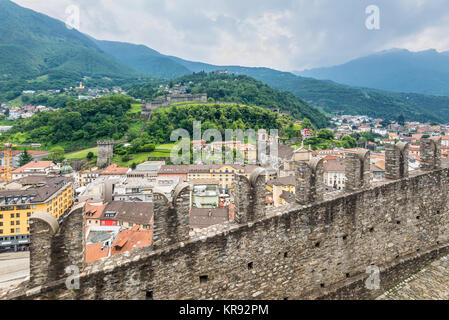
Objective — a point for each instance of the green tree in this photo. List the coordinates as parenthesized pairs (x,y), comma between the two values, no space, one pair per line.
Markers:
(57,154)
(90,155)
(25,158)
(306,124)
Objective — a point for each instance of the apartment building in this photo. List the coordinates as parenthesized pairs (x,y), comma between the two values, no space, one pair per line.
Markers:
(21,198)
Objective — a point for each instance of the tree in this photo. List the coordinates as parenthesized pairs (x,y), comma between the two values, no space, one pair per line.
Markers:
(90,155)
(306,124)
(25,158)
(57,154)
(349,142)
(326,134)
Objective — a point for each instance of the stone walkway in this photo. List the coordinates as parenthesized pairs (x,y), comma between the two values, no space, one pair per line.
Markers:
(431,283)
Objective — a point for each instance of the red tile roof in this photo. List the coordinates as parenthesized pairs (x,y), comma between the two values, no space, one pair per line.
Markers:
(131,239)
(34,165)
(96,211)
(113,169)
(94,252)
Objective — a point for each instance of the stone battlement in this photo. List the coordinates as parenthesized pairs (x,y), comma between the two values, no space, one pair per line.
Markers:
(319,247)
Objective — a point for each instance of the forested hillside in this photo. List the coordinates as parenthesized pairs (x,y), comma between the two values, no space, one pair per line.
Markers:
(77,125)
(213,116)
(241,89)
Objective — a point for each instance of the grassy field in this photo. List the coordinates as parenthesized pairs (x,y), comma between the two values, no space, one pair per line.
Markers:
(160,152)
(135,108)
(78,155)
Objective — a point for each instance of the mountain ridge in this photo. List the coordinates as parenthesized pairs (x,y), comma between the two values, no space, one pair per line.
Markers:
(43,45)
(397,70)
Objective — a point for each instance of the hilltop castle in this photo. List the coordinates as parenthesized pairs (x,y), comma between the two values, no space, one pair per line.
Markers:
(149,107)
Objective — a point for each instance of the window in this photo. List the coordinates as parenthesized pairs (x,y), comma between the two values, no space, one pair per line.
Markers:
(12,215)
(204,279)
(12,230)
(17,223)
(1,231)
(12,223)
(1,216)
(1,224)
(18,230)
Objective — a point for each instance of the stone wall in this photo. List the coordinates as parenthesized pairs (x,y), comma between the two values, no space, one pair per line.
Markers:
(430,154)
(105,153)
(396,164)
(54,247)
(357,170)
(317,249)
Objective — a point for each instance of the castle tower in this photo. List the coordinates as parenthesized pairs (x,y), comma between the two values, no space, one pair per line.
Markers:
(105,152)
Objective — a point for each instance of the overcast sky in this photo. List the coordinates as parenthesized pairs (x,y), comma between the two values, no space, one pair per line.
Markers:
(281,34)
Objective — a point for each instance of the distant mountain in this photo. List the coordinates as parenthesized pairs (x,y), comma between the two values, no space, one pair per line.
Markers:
(34,47)
(144,59)
(33,44)
(399,70)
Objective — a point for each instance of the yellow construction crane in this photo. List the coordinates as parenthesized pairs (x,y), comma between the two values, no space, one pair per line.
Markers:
(7,156)
(8,165)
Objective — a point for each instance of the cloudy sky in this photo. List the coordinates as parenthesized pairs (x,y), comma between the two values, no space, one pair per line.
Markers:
(282,34)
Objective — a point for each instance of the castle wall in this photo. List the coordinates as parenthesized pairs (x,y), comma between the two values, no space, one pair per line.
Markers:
(313,249)
(295,252)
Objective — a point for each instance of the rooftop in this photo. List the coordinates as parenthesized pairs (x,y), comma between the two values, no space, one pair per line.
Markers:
(32,189)
(283,181)
(203,218)
(34,165)
(113,169)
(140,213)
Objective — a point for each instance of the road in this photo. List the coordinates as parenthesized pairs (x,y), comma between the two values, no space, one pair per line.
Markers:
(14,268)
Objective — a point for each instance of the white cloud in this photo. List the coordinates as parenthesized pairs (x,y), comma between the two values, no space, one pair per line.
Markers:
(284,34)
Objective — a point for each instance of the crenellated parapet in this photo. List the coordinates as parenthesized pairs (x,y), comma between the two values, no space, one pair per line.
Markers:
(357,170)
(309,181)
(396,161)
(250,196)
(53,248)
(430,154)
(43,227)
(178,226)
(161,222)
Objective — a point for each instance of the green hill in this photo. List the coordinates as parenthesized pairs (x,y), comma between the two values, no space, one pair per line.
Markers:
(33,44)
(77,126)
(241,89)
(144,59)
(213,116)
